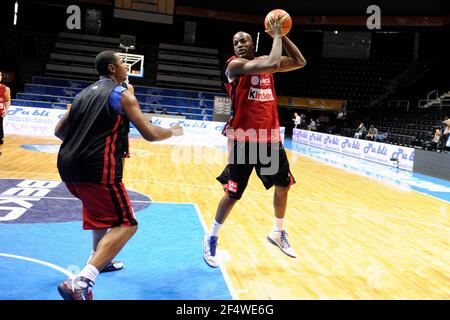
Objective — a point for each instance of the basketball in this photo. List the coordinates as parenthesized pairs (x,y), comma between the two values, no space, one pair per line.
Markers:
(282,16)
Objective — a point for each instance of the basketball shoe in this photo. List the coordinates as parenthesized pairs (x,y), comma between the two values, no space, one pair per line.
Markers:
(209,251)
(79,288)
(112,266)
(279,238)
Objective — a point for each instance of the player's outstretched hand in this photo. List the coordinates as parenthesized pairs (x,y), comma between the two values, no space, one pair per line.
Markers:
(176,130)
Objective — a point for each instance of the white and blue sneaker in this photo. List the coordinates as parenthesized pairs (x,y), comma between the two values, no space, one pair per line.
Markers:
(279,239)
(210,250)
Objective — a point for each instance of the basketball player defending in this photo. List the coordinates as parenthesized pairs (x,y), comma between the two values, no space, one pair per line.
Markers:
(253,128)
(99,234)
(90,164)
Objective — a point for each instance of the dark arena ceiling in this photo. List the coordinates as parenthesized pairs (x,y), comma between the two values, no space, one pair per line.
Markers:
(325,7)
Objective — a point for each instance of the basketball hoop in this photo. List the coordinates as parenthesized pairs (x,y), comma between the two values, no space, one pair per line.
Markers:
(134,62)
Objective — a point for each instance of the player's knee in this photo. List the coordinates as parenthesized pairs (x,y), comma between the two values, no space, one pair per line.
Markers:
(280,190)
(132,230)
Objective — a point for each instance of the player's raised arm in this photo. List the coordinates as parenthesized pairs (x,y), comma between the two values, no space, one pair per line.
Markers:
(149,131)
(244,50)
(294,60)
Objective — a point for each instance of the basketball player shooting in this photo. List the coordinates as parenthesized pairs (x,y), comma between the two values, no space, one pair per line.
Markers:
(255,126)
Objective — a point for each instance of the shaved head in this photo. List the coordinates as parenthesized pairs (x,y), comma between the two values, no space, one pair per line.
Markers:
(243,45)
(242,34)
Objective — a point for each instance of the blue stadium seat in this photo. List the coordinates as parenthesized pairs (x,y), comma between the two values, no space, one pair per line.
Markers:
(47,92)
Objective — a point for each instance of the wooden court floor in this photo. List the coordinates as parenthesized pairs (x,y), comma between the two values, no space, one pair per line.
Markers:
(356,237)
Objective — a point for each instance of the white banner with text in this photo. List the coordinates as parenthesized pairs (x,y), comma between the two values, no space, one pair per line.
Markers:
(29,121)
(388,154)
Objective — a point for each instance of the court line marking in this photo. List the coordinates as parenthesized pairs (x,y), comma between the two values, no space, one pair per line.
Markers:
(311,157)
(224,271)
(296,198)
(315,201)
(347,207)
(226,276)
(45,263)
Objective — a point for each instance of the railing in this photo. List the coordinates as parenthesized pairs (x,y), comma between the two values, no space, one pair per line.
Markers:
(429,101)
(430,93)
(433,103)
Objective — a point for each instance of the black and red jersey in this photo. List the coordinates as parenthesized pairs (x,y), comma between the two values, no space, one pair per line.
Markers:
(92,148)
(255,109)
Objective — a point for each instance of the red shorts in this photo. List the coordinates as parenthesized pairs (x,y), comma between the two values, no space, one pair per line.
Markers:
(105,205)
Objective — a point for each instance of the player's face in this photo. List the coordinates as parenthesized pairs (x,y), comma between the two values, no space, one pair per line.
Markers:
(1,77)
(243,45)
(121,69)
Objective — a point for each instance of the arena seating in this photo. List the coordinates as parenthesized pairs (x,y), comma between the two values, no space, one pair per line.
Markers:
(365,85)
(188,67)
(47,92)
(409,128)
(73,55)
(357,81)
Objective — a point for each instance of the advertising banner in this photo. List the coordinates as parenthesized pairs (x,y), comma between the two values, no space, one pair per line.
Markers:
(388,154)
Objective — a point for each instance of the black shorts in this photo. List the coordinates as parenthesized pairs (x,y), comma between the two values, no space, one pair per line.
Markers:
(269,160)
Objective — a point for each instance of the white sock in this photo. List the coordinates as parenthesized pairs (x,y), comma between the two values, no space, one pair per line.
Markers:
(279,224)
(215,229)
(90,272)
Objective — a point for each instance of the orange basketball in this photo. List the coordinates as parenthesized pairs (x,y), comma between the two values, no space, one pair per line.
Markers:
(282,16)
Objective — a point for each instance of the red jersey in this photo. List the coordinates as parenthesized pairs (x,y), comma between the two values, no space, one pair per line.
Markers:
(255,108)
(2,97)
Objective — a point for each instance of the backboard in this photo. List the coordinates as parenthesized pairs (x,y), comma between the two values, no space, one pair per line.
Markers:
(135,63)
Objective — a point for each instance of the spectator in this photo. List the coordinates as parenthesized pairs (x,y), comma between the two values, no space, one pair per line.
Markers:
(302,121)
(360,132)
(381,136)
(443,143)
(443,124)
(312,125)
(296,120)
(433,143)
(372,134)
